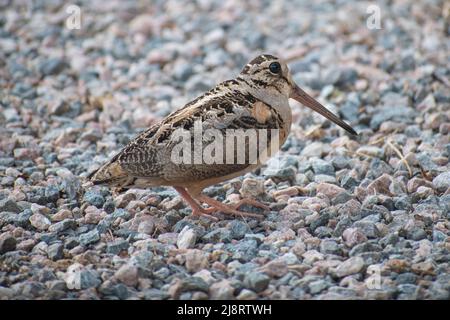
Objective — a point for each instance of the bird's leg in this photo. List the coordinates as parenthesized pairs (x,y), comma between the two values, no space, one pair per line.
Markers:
(227,209)
(197,210)
(240,203)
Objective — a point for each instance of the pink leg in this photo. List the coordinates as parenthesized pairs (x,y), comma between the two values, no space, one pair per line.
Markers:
(219,206)
(197,210)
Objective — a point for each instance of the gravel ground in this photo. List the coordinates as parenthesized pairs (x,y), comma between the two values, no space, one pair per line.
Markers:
(362,217)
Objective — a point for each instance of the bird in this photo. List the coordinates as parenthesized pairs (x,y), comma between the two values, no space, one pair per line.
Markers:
(257,99)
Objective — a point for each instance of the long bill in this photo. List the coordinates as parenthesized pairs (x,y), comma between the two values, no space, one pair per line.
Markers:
(304,98)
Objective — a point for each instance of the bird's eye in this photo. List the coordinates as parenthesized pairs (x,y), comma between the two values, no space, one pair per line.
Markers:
(275,67)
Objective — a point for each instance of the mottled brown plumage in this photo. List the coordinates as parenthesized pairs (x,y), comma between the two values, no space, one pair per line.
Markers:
(256,99)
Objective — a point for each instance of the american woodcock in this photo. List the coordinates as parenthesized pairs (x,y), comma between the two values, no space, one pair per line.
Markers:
(258,98)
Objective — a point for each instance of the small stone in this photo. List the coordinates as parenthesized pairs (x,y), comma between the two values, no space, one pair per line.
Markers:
(324,178)
(414,183)
(258,237)
(26,245)
(238,229)
(7,243)
(403,203)
(55,251)
(63,226)
(322,167)
(194,284)
(128,275)
(380,185)
(62,215)
(182,71)
(353,236)
(9,205)
(178,286)
(218,235)
(51,193)
(317,286)
(281,168)
(6,292)
(348,182)
(276,268)
(416,234)
(368,228)
(246,294)
(40,221)
(124,199)
(77,277)
(143,24)
(196,260)
(173,204)
(319,220)
(244,251)
(38,209)
(350,266)
(399,113)
(117,246)
(205,275)
(423,192)
(289,192)
(58,107)
(256,281)
(71,242)
(312,256)
(94,198)
(32,289)
(330,190)
(406,277)
(424,268)
(186,238)
(141,258)
(89,237)
(397,265)
(330,247)
(252,188)
(442,181)
(52,66)
(147,226)
(221,290)
(168,238)
(93,215)
(371,151)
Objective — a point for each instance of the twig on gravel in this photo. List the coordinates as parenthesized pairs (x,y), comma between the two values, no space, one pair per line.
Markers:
(400,155)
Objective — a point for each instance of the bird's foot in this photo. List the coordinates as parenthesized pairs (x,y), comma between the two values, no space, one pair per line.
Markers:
(204,212)
(197,210)
(217,206)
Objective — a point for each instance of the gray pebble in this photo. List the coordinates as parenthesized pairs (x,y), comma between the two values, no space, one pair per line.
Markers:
(62,226)
(89,237)
(442,181)
(7,243)
(238,229)
(218,235)
(55,251)
(256,281)
(51,66)
(95,198)
(116,246)
(9,205)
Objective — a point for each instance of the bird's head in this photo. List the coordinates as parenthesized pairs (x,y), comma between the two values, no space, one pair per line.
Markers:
(270,76)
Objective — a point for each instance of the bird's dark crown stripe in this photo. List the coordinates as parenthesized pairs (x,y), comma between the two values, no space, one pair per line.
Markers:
(262,58)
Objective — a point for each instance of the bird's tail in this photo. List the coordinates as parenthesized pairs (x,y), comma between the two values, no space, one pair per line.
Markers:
(110,173)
